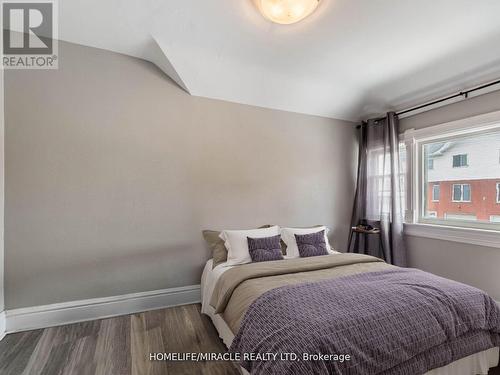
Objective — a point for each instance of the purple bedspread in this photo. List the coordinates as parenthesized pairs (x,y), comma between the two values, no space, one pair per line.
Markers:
(402,321)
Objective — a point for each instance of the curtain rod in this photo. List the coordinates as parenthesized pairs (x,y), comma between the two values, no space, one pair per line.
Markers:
(465,94)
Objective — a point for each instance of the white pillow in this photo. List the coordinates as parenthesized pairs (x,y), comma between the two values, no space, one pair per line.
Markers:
(237,244)
(288,236)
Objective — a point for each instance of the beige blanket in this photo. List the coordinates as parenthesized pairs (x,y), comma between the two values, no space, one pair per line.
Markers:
(238,287)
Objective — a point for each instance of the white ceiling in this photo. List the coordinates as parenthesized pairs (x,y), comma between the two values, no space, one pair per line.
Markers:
(349,60)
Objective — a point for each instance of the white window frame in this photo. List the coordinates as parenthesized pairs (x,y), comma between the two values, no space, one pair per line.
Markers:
(433,198)
(461,200)
(498,192)
(485,234)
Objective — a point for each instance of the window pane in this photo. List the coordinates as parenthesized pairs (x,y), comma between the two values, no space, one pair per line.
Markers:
(466,193)
(459,160)
(402,176)
(435,192)
(379,184)
(457,192)
(461,179)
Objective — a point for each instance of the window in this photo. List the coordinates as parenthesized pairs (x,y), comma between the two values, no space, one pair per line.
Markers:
(379,182)
(461,193)
(458,216)
(440,190)
(460,161)
(435,193)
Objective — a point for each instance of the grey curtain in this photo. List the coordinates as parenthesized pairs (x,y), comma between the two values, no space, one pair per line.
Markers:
(380,190)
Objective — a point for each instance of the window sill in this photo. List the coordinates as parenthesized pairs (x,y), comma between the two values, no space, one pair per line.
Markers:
(481,237)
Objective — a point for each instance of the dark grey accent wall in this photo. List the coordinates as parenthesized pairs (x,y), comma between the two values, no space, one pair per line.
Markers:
(112,172)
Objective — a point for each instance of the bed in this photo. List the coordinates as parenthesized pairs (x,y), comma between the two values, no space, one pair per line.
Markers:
(238,298)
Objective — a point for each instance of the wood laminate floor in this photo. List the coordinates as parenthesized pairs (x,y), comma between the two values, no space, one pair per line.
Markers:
(119,346)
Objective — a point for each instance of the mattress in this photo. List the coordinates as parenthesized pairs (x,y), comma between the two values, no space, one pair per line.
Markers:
(478,363)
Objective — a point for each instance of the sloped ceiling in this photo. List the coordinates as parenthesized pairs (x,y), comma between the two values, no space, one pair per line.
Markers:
(349,60)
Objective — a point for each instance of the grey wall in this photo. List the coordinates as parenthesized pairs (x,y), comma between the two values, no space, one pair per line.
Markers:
(474,265)
(467,108)
(470,264)
(112,172)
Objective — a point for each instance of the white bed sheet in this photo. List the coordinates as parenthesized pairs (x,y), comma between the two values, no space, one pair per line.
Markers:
(208,281)
(475,364)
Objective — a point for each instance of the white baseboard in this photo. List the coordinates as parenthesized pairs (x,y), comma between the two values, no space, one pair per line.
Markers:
(2,325)
(57,314)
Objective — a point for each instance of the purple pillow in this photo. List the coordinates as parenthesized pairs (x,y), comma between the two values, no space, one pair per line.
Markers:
(311,245)
(265,249)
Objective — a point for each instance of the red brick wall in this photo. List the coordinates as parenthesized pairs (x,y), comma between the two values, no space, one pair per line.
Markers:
(483,199)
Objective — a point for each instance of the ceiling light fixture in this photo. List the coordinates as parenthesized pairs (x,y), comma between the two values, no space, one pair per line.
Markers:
(286,11)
